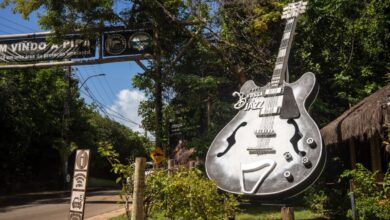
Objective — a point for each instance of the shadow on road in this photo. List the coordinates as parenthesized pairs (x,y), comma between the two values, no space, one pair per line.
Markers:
(8,203)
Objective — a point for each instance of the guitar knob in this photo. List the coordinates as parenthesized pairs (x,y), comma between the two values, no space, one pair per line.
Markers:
(289,177)
(306,162)
(311,142)
(287,156)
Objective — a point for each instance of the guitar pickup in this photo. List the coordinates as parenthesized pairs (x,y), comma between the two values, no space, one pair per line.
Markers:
(269,111)
(273,92)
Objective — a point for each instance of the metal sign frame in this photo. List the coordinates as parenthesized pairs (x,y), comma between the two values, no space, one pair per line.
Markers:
(99,47)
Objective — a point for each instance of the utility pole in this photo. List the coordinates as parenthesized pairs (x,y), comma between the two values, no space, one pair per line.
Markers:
(66,122)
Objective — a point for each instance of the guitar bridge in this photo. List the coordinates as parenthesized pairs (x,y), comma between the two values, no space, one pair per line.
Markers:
(265,133)
(261,151)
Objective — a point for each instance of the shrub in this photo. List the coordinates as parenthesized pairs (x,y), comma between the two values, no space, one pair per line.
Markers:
(186,194)
(372,201)
(331,201)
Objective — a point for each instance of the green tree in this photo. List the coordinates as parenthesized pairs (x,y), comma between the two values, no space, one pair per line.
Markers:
(32,120)
(33,144)
(346,44)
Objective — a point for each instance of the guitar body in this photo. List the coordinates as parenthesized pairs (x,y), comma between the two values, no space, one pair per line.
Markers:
(269,154)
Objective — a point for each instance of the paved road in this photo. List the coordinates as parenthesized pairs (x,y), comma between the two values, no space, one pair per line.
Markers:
(58,208)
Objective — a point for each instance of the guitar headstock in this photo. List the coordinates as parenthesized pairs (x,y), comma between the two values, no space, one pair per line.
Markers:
(293,10)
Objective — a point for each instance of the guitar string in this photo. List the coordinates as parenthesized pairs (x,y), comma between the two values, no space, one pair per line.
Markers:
(267,123)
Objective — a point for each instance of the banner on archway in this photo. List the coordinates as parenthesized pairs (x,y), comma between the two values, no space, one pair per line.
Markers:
(38,48)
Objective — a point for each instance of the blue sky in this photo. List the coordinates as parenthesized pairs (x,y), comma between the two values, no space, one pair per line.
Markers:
(114,90)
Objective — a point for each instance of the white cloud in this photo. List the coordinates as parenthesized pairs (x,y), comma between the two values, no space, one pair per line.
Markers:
(126,105)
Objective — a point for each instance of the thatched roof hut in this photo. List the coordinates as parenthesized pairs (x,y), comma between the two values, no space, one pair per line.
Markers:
(366,118)
(366,121)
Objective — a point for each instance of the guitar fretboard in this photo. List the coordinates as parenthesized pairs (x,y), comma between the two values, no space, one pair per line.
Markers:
(280,68)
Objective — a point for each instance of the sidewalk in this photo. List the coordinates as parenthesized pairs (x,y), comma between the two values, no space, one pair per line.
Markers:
(108,215)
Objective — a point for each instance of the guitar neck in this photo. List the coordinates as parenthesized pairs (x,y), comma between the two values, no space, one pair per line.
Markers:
(279,73)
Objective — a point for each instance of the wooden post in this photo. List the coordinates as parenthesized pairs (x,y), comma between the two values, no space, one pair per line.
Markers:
(171,166)
(192,164)
(197,162)
(287,213)
(375,153)
(139,186)
(352,153)
(353,206)
(351,185)
(230,218)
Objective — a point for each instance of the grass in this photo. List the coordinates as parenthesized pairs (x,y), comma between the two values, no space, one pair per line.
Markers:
(252,212)
(121,217)
(271,212)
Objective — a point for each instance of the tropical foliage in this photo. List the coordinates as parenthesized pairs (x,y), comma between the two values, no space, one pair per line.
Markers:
(372,201)
(203,51)
(35,146)
(184,194)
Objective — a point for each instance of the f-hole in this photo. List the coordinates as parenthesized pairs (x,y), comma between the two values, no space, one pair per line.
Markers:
(231,139)
(297,136)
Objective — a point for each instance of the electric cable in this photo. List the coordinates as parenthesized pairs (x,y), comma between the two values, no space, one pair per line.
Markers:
(23,26)
(103,107)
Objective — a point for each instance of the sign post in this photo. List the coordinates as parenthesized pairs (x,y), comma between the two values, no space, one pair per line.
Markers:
(79,184)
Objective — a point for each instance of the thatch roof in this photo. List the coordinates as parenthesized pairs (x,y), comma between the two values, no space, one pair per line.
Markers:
(363,120)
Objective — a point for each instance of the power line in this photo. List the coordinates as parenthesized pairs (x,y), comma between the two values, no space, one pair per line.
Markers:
(98,104)
(5,32)
(12,28)
(117,114)
(106,81)
(26,27)
(102,86)
(80,76)
(94,86)
(103,107)
(97,88)
(110,89)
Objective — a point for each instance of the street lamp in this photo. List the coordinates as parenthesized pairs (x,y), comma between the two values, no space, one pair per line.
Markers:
(101,74)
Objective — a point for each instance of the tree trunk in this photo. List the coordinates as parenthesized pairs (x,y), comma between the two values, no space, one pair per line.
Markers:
(158,87)
(240,71)
(158,109)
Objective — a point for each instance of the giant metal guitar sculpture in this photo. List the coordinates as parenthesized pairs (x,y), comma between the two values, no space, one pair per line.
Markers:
(272,148)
